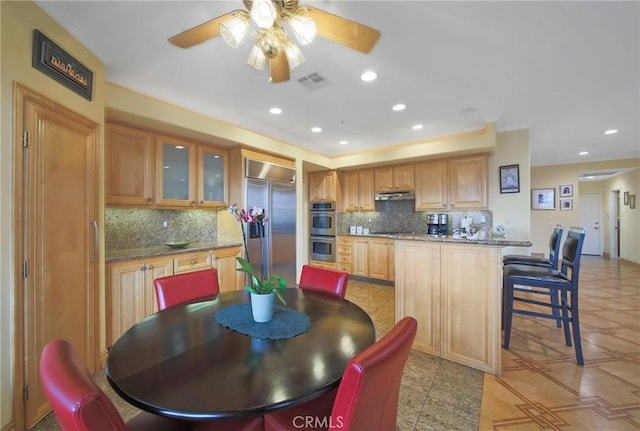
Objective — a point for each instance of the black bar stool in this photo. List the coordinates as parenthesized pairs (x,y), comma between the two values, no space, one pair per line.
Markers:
(547,281)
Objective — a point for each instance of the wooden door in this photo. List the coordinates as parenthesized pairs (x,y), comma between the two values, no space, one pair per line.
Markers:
(56,225)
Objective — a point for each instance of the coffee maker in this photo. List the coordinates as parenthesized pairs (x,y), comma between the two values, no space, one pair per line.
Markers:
(443,224)
(432,224)
(437,224)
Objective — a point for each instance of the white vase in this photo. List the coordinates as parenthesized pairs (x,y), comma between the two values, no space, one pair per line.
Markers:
(262,306)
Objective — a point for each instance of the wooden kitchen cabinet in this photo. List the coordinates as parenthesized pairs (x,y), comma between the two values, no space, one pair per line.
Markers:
(322,186)
(458,183)
(467,179)
(470,299)
(189,262)
(224,260)
(175,172)
(144,169)
(357,190)
(454,292)
(344,253)
(377,258)
(431,185)
(391,261)
(129,164)
(130,295)
(212,185)
(418,291)
(359,256)
(394,178)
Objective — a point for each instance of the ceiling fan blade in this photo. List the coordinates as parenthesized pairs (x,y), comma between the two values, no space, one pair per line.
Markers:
(202,32)
(346,32)
(279,68)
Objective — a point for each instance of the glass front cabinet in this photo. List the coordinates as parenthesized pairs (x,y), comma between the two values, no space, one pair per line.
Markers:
(212,165)
(175,172)
(189,174)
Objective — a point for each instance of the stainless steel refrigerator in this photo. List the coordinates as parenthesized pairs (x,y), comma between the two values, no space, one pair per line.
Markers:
(272,187)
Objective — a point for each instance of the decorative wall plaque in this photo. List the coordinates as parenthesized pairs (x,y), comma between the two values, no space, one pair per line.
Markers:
(58,64)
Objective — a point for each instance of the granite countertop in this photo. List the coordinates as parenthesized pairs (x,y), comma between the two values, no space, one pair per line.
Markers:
(163,250)
(488,241)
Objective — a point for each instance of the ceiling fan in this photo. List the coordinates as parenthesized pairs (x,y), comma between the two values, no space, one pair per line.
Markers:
(273,44)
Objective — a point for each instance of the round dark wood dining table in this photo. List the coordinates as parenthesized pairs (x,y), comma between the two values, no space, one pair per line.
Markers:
(180,363)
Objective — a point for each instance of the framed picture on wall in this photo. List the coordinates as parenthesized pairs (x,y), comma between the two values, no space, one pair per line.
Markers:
(566,204)
(543,199)
(510,179)
(566,190)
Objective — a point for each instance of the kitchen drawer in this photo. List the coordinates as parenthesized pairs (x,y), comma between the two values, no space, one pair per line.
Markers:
(346,267)
(192,262)
(346,241)
(344,258)
(344,249)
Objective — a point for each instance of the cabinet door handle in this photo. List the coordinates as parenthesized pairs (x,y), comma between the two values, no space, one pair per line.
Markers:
(96,241)
(149,267)
(143,268)
(194,261)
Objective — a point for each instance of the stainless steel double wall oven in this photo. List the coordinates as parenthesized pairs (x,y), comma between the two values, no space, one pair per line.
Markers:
(322,227)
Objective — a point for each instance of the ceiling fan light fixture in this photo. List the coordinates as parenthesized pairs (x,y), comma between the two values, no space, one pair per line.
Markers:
(257,59)
(234,29)
(294,55)
(263,12)
(304,28)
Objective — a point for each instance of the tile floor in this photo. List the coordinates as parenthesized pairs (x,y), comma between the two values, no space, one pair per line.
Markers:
(541,387)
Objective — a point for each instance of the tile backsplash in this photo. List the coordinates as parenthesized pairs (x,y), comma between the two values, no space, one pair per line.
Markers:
(401,216)
(134,228)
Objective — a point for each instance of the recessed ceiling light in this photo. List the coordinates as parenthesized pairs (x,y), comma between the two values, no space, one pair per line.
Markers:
(611,131)
(316,129)
(417,126)
(583,153)
(179,147)
(275,111)
(399,107)
(368,76)
(343,142)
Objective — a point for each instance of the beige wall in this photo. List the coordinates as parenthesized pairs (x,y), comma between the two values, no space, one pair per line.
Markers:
(18,20)
(553,176)
(511,209)
(629,218)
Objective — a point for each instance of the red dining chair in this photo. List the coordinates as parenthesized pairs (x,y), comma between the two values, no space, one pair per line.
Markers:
(176,289)
(367,397)
(80,405)
(324,280)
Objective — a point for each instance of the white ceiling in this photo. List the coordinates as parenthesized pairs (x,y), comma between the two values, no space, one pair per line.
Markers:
(567,70)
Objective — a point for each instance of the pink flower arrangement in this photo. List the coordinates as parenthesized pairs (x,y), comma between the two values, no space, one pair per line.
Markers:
(253,215)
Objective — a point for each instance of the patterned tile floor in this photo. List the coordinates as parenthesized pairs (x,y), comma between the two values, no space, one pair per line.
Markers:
(542,388)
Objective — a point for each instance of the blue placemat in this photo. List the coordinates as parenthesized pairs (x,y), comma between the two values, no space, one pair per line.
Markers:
(286,323)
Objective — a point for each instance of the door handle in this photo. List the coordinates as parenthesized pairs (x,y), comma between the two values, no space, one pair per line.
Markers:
(96,241)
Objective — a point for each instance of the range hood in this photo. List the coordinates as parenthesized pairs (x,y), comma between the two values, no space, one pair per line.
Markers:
(408,195)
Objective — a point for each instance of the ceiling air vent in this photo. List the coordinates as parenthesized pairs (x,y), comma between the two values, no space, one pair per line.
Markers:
(312,81)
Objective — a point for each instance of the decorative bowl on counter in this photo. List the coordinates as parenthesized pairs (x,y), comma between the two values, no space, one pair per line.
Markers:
(177,244)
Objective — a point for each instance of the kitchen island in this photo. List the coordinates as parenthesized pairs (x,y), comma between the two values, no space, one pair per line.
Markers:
(452,287)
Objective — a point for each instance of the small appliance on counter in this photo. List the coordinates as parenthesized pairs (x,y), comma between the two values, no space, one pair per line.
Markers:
(437,224)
